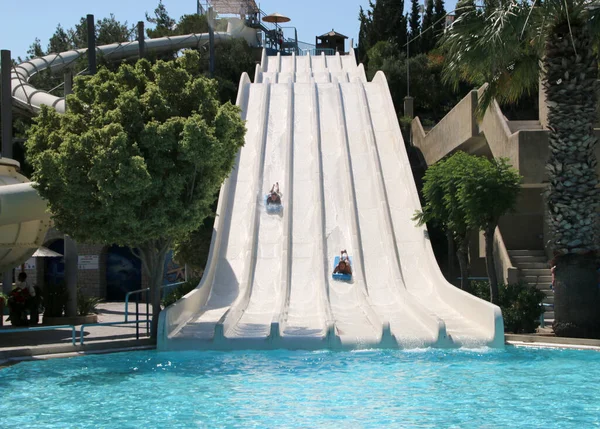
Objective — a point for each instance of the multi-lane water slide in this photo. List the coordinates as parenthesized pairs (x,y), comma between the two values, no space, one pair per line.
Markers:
(332,141)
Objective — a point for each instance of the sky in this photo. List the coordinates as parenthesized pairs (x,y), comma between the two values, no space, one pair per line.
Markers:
(23,21)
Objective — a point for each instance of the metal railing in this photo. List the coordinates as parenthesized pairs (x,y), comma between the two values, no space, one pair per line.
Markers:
(316,51)
(137,328)
(139,291)
(42,328)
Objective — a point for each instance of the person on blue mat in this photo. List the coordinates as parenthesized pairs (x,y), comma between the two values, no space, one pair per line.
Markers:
(274,195)
(343,267)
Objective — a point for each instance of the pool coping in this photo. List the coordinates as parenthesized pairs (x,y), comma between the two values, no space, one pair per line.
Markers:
(15,355)
(547,341)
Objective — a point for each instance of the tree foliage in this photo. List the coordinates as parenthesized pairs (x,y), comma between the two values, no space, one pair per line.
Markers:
(466,193)
(137,158)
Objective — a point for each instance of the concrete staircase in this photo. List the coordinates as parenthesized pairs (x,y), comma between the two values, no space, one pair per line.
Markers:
(534,271)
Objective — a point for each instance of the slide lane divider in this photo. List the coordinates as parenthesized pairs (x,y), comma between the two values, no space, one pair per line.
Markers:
(331,336)
(286,257)
(235,312)
(365,302)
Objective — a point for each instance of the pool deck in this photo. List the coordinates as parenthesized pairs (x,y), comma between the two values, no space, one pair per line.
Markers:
(18,346)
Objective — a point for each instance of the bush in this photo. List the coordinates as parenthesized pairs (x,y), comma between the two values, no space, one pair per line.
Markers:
(520,304)
(86,305)
(3,299)
(55,300)
(179,291)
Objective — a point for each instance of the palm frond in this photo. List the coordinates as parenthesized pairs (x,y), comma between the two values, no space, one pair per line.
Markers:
(502,47)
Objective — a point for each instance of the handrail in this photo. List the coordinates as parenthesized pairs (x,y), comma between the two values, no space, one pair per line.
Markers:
(128,294)
(137,335)
(41,328)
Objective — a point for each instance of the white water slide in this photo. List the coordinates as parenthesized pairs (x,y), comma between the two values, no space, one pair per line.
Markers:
(332,141)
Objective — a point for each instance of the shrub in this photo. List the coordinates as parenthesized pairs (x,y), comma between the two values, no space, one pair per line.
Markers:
(3,299)
(55,300)
(179,291)
(520,304)
(86,305)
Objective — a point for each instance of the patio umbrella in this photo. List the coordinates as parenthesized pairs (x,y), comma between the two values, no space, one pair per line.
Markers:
(276,18)
(44,252)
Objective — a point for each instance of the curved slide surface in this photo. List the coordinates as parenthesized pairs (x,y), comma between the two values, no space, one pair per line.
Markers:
(332,141)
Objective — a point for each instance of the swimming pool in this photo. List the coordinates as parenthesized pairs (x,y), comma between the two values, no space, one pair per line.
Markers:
(515,387)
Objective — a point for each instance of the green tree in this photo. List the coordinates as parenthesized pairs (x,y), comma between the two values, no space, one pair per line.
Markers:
(137,158)
(506,45)
(163,23)
(428,35)
(488,189)
(442,206)
(109,30)
(414,21)
(364,41)
(192,249)
(59,41)
(439,20)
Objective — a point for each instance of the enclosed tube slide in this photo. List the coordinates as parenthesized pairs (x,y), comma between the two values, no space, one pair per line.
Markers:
(332,141)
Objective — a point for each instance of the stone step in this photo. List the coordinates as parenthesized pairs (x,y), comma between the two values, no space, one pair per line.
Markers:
(528,265)
(549,299)
(530,272)
(526,252)
(524,125)
(537,279)
(521,259)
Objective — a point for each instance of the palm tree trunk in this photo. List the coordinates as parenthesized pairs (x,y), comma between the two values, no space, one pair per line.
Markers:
(572,196)
(490,264)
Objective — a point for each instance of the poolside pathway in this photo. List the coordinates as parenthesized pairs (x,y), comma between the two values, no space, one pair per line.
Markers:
(19,345)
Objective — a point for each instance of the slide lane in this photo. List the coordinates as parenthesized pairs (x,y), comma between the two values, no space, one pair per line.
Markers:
(421,273)
(267,277)
(307,314)
(383,278)
(355,322)
(230,278)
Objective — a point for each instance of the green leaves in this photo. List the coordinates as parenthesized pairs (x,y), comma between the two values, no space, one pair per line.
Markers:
(138,156)
(465,192)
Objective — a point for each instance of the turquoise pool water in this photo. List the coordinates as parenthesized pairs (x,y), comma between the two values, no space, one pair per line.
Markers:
(515,387)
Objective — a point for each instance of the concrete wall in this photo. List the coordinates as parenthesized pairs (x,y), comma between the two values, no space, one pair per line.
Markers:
(457,127)
(524,229)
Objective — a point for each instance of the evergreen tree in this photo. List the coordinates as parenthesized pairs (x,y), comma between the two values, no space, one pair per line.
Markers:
(60,41)
(164,24)
(427,36)
(363,35)
(415,26)
(439,20)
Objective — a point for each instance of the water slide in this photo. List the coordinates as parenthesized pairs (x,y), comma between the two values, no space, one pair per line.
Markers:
(332,141)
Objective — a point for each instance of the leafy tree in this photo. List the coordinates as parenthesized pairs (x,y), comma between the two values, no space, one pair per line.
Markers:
(192,249)
(507,44)
(442,207)
(137,158)
(488,190)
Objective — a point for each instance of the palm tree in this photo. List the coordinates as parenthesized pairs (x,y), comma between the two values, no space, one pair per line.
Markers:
(508,45)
